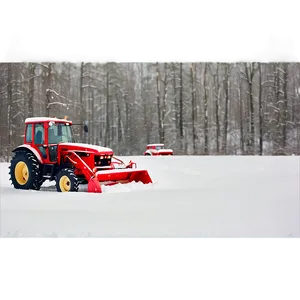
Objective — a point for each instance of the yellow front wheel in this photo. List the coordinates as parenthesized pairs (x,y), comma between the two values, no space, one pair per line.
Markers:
(66,181)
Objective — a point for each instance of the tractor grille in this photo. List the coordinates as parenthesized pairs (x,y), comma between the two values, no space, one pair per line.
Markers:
(102,160)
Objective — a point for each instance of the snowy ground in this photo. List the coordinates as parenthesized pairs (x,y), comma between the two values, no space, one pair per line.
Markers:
(196,196)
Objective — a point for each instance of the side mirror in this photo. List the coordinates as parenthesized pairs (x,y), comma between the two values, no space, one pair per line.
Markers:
(85,128)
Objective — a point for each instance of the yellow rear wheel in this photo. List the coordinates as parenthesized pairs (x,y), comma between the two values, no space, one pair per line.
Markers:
(21,173)
(25,171)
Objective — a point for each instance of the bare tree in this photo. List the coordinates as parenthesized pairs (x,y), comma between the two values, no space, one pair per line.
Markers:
(260,111)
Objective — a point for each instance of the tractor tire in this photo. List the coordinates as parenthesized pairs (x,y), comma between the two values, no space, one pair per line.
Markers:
(66,181)
(25,171)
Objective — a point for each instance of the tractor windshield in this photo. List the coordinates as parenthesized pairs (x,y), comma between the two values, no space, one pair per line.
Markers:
(59,132)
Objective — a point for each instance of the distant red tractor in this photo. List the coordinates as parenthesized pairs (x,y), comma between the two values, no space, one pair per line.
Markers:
(157,149)
(50,153)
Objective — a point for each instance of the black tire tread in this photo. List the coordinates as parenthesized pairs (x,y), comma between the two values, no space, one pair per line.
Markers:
(73,178)
(34,181)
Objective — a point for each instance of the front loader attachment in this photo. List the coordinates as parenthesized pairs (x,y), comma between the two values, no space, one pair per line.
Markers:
(115,176)
(116,173)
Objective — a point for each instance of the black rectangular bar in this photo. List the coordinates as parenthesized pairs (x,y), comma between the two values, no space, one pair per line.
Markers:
(184,52)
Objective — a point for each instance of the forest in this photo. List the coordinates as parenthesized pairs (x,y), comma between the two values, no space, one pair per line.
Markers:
(195,108)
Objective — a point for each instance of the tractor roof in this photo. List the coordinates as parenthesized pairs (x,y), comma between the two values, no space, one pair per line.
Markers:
(155,145)
(46,119)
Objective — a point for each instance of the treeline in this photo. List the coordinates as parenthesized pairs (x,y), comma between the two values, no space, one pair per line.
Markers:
(194,108)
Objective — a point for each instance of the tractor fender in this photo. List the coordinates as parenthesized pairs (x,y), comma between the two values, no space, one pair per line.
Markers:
(31,149)
(148,152)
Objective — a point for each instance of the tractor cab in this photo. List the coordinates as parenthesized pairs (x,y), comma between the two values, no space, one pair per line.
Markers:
(44,134)
(156,146)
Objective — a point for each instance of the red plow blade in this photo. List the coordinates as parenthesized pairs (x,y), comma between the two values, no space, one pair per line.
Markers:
(111,177)
(123,176)
(94,186)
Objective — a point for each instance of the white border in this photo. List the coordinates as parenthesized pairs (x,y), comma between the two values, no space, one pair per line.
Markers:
(149,243)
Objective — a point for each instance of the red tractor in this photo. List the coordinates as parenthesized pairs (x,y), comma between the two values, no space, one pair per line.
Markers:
(50,152)
(157,149)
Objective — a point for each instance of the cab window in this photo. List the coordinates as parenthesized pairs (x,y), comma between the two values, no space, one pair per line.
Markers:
(29,133)
(39,135)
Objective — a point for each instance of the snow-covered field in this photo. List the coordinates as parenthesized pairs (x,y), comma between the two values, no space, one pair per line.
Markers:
(192,196)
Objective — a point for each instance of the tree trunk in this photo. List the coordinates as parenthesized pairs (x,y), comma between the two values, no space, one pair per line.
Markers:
(107,131)
(164,106)
(93,127)
(148,118)
(158,103)
(9,108)
(242,143)
(226,93)
(205,111)
(249,70)
(176,108)
(284,107)
(119,132)
(193,107)
(81,101)
(181,109)
(277,112)
(260,112)
(144,102)
(31,89)
(251,144)
(216,92)
(48,92)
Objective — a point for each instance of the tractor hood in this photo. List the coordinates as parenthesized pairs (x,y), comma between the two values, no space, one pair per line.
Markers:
(165,151)
(86,148)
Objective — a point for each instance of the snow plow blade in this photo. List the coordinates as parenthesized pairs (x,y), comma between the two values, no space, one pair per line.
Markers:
(94,186)
(111,177)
